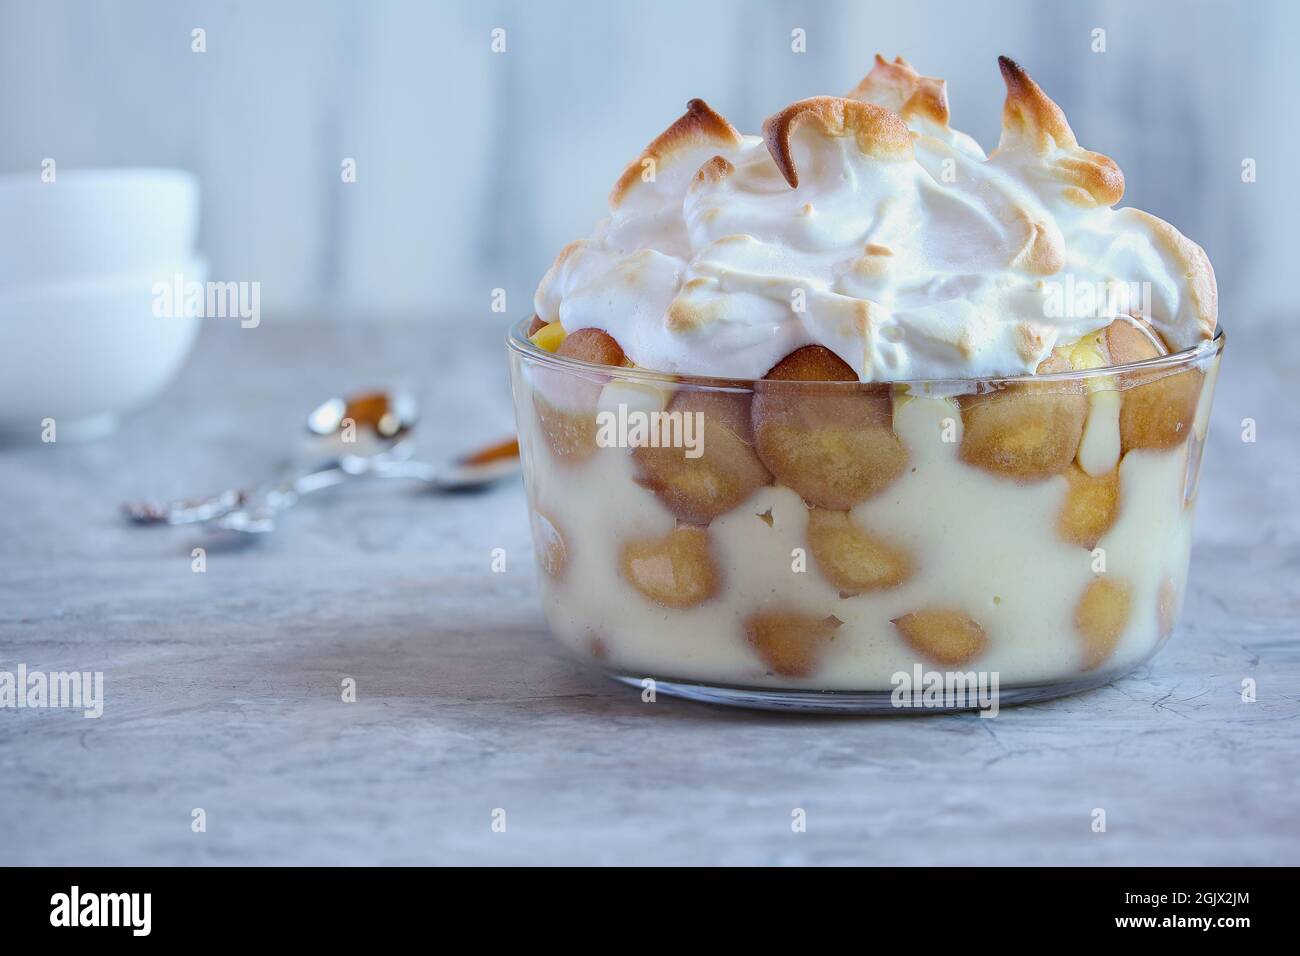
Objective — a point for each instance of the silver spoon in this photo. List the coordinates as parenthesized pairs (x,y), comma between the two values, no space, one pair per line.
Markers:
(364,436)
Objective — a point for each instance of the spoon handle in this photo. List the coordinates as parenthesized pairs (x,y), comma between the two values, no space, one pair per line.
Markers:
(185,510)
(223,503)
(257,515)
(258,512)
(254,510)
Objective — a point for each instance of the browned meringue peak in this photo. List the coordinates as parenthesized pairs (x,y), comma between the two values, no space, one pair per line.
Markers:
(1033,123)
(699,127)
(713,171)
(878,132)
(1031,120)
(899,87)
(922,102)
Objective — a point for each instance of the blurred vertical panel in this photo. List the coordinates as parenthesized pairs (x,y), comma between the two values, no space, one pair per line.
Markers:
(418,118)
(475,167)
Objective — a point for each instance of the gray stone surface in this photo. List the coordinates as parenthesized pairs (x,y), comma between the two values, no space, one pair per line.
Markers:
(223,688)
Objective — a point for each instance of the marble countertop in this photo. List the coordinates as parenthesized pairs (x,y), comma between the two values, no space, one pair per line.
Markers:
(222,689)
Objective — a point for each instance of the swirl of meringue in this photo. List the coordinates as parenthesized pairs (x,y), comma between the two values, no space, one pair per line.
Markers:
(867,225)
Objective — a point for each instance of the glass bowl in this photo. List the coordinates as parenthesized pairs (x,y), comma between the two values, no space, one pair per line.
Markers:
(850,547)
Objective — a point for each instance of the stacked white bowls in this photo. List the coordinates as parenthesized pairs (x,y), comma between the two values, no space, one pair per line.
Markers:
(82,335)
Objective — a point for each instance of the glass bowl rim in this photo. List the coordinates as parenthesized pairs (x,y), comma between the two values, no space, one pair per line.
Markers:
(517,341)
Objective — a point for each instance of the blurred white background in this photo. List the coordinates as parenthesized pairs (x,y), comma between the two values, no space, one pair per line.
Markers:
(474,168)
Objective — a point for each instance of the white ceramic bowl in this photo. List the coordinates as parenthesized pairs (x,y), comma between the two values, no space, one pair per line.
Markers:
(101,222)
(83,351)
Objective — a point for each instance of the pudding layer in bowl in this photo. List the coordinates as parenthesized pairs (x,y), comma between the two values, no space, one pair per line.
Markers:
(796,536)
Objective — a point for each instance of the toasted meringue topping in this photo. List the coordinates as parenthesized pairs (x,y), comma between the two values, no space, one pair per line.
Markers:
(867,225)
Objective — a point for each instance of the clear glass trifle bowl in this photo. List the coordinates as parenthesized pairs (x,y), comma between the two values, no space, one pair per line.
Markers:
(805,542)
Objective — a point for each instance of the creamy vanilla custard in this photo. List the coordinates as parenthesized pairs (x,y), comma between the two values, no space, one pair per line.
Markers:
(979,544)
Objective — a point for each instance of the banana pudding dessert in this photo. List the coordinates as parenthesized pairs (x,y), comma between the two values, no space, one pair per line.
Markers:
(852,400)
